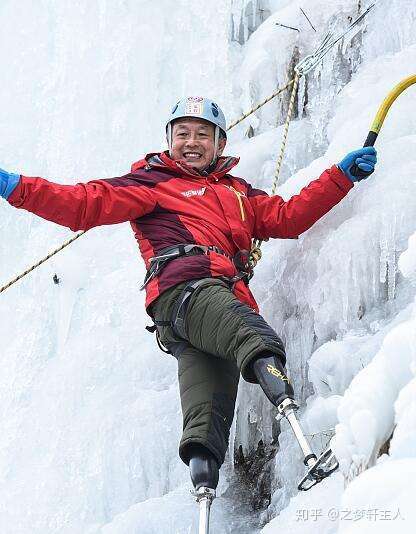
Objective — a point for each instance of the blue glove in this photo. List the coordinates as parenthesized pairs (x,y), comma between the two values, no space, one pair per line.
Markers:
(8,183)
(359,164)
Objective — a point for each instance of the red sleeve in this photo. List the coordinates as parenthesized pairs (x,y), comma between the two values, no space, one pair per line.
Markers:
(83,206)
(277,218)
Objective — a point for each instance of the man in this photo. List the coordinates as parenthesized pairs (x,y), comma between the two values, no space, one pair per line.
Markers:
(194,223)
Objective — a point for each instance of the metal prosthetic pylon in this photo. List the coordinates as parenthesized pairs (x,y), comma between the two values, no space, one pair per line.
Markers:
(318,467)
(204,471)
(204,497)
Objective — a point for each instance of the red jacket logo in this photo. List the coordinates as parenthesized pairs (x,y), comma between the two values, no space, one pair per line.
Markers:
(194,192)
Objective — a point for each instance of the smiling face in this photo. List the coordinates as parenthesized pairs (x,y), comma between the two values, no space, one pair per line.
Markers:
(193,142)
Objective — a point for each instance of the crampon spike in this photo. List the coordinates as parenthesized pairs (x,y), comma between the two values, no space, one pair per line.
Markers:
(318,468)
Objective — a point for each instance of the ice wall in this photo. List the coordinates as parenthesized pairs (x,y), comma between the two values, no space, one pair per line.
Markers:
(336,294)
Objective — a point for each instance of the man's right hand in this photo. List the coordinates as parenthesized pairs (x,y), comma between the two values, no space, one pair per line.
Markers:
(8,183)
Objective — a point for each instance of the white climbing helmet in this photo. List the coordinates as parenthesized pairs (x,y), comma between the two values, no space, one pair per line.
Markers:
(202,108)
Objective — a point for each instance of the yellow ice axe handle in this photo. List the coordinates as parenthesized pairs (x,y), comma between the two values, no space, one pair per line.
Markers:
(384,108)
(381,115)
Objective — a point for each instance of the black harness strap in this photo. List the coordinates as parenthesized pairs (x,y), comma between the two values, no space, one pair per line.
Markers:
(181,307)
(177,323)
(153,328)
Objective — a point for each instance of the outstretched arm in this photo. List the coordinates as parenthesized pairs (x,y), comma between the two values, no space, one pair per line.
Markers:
(81,206)
(280,219)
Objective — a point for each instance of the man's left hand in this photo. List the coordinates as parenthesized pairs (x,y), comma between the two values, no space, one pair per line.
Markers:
(359,164)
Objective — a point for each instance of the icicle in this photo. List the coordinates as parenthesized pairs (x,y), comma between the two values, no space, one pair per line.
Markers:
(254,13)
(232,441)
(301,96)
(388,261)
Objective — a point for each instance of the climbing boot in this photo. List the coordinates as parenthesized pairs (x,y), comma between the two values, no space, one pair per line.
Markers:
(203,468)
(271,375)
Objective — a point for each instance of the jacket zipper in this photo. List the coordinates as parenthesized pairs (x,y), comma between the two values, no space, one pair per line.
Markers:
(238,194)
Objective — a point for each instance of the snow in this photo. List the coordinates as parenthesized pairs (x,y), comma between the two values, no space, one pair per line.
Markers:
(312,511)
(90,411)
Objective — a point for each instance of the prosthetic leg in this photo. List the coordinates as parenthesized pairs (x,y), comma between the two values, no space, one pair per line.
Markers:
(204,475)
(272,378)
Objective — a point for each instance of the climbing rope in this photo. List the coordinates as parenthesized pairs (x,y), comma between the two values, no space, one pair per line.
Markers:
(285,132)
(255,253)
(261,104)
(302,68)
(46,258)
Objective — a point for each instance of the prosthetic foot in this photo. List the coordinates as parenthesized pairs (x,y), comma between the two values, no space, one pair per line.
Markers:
(271,375)
(204,475)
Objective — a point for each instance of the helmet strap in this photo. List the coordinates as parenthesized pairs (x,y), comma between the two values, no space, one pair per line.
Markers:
(216,144)
(169,138)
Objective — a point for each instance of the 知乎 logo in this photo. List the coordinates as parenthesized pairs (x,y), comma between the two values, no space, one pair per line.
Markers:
(278,374)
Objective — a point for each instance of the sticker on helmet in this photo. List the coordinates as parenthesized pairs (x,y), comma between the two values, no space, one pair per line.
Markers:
(194,108)
(195,99)
(214,109)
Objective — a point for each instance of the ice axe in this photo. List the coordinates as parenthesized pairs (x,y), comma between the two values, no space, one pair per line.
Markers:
(381,115)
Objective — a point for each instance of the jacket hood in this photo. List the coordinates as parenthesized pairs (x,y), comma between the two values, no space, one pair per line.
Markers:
(162,161)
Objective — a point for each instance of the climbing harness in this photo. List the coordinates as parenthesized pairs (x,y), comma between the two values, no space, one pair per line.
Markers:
(159,262)
(318,467)
(240,260)
(177,321)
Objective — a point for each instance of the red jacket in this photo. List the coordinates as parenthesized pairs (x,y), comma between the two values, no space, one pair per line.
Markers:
(169,203)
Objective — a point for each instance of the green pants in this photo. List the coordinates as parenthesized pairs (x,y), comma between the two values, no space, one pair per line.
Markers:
(220,338)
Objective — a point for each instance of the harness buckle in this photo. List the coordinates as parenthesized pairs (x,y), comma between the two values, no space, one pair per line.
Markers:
(242,260)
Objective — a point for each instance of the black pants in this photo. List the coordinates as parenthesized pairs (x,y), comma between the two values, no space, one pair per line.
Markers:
(221,338)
